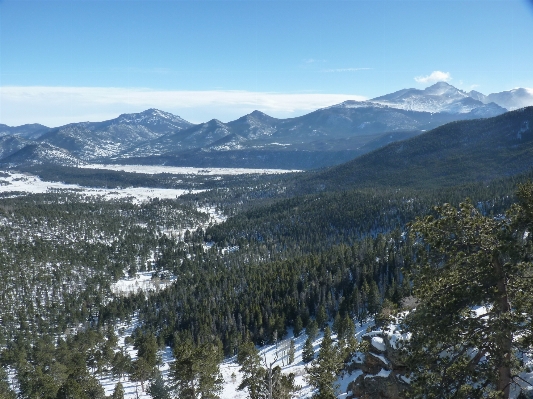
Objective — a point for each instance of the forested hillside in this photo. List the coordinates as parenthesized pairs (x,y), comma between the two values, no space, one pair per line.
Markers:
(458,152)
(284,259)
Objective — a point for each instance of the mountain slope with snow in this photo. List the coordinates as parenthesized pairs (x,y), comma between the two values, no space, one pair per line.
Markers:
(324,137)
(440,97)
(29,131)
(96,140)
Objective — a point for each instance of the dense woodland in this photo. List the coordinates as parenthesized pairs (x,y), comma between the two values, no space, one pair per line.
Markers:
(286,258)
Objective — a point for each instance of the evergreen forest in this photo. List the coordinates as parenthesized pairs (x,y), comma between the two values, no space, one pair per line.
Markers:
(286,259)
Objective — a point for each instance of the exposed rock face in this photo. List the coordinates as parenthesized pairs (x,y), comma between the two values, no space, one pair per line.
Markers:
(382,374)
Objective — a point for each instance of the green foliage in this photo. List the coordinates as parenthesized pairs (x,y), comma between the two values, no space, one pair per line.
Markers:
(455,153)
(308,352)
(146,346)
(312,329)
(324,369)
(472,281)
(118,392)
(304,255)
(195,371)
(251,369)
(5,390)
(157,388)
(321,317)
(266,382)
(298,326)
(282,386)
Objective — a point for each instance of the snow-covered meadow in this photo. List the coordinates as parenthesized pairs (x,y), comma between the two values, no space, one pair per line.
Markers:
(184,170)
(23,183)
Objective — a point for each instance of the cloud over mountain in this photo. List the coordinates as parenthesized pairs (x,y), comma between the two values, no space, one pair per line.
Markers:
(433,77)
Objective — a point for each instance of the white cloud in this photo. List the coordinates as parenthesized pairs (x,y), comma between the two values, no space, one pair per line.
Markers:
(55,106)
(435,76)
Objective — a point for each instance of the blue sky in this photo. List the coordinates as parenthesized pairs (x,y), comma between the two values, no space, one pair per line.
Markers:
(66,61)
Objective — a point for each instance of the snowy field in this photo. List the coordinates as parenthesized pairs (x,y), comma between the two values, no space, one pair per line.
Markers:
(182,170)
(142,281)
(25,183)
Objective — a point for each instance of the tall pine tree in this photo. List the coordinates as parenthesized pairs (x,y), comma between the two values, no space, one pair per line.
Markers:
(474,316)
(324,369)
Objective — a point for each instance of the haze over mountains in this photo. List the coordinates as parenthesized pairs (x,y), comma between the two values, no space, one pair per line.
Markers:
(324,137)
(456,153)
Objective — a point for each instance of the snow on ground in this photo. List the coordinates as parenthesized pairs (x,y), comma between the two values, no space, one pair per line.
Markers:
(271,355)
(214,215)
(142,281)
(182,170)
(230,367)
(21,182)
(133,389)
(18,182)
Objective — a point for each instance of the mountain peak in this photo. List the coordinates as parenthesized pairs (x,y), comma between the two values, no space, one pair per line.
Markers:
(440,84)
(439,97)
(443,88)
(147,115)
(259,114)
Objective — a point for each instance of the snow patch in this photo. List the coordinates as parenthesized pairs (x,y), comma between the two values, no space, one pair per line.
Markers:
(378,343)
(179,170)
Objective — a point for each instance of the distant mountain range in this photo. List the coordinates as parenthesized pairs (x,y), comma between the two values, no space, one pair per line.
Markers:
(456,153)
(321,138)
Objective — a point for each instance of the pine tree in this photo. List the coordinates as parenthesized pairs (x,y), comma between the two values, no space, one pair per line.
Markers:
(282,385)
(146,346)
(321,317)
(141,371)
(195,372)
(209,377)
(298,326)
(253,374)
(473,284)
(5,390)
(157,388)
(311,329)
(308,352)
(324,369)
(118,392)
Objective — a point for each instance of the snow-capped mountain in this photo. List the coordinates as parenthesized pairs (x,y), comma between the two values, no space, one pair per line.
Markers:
(323,137)
(260,131)
(511,99)
(97,140)
(440,97)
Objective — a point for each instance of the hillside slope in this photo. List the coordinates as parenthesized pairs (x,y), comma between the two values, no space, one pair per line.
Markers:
(459,152)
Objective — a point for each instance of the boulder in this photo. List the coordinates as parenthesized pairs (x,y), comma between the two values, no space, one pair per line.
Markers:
(382,369)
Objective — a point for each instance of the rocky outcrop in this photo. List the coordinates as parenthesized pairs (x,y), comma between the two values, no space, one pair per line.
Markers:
(380,371)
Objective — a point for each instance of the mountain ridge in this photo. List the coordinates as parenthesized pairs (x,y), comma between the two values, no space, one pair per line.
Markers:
(461,151)
(331,135)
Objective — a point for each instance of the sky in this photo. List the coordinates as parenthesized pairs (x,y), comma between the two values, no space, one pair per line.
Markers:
(75,60)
